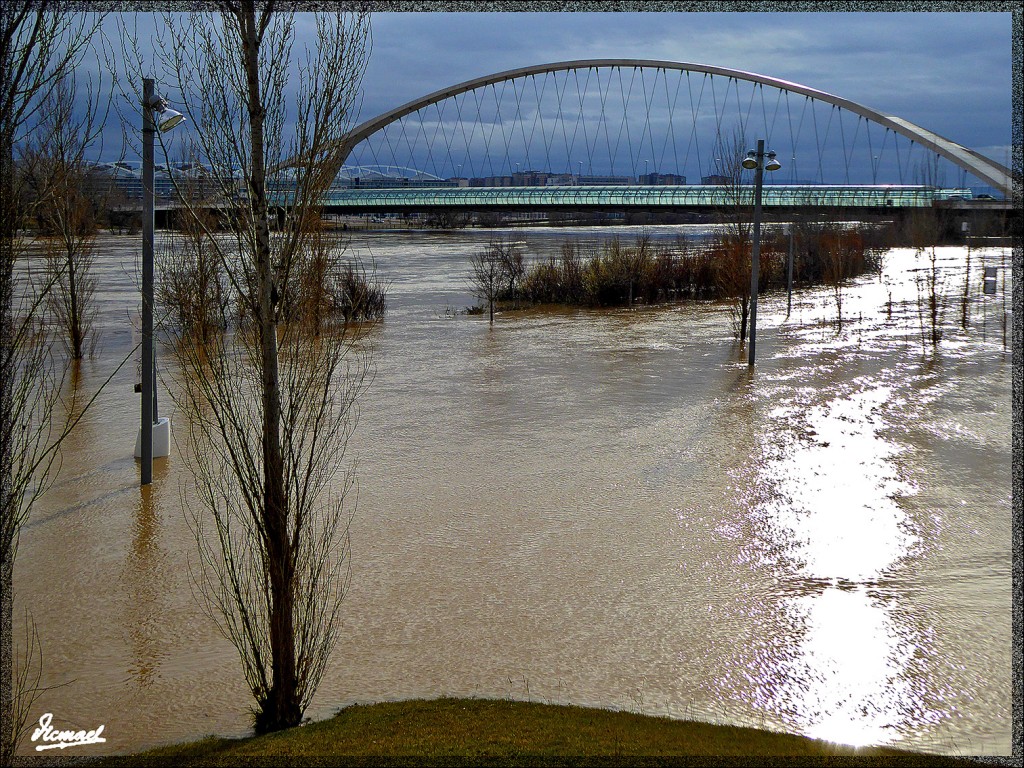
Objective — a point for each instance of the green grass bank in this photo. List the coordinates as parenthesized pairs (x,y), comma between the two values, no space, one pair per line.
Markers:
(501,732)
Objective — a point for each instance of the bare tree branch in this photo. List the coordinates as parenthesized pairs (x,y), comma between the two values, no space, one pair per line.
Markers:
(269,394)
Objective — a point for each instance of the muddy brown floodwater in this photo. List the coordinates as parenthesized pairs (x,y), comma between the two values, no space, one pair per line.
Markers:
(605,508)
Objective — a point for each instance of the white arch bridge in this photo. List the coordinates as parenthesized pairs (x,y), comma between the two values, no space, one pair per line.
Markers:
(633,132)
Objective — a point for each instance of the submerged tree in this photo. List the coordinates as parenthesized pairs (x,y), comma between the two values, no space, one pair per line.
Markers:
(487,274)
(732,247)
(39,43)
(65,199)
(270,405)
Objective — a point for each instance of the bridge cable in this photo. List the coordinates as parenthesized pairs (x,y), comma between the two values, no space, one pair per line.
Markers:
(428,145)
(872,157)
(499,100)
(817,141)
(694,141)
(537,115)
(604,117)
(769,129)
(540,119)
(522,127)
(501,123)
(896,149)
(487,135)
(720,145)
(579,119)
(402,135)
(446,135)
(842,140)
(648,102)
(792,142)
(487,165)
(482,170)
(412,149)
(822,151)
(442,170)
(800,126)
(387,138)
(586,136)
(466,158)
(744,120)
(560,114)
(624,123)
(435,170)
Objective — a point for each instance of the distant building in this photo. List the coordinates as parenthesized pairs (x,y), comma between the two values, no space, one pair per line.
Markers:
(661,178)
(604,181)
(388,182)
(491,181)
(716,178)
(530,179)
(192,178)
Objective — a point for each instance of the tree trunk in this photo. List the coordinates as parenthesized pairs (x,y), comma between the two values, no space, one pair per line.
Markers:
(74,320)
(8,521)
(281,709)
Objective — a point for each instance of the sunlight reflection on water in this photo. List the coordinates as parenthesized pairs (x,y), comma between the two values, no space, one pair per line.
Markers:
(604,508)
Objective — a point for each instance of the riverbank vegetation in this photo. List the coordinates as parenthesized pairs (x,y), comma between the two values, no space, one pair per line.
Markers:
(620,274)
(502,732)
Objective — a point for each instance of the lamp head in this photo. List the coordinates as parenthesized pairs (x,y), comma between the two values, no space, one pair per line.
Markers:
(165,117)
(168,119)
(772,164)
(750,161)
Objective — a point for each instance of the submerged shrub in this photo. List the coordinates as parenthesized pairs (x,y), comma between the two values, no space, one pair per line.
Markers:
(620,274)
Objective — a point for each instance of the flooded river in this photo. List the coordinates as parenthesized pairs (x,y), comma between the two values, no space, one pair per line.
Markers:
(605,508)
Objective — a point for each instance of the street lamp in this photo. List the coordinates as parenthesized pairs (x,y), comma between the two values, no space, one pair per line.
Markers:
(154,433)
(755,160)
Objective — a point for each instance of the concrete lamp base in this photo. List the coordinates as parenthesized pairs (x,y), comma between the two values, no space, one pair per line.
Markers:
(161,439)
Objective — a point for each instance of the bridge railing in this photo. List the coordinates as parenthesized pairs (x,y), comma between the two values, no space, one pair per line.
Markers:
(641,196)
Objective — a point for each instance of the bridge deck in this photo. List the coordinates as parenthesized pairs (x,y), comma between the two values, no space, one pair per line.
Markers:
(593,197)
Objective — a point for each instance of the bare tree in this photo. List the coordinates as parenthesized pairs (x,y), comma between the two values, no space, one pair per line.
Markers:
(931,304)
(733,246)
(66,198)
(487,275)
(193,286)
(39,43)
(842,257)
(270,405)
(513,268)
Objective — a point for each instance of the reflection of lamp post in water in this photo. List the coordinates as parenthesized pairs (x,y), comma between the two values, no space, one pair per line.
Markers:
(755,161)
(155,114)
(789,274)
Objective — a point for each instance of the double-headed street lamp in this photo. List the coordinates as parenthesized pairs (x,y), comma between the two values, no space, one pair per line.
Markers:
(755,160)
(155,114)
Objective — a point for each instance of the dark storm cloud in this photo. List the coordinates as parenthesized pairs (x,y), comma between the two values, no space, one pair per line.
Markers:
(949,72)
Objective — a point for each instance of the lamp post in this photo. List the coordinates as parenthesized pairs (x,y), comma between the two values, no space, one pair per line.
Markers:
(755,160)
(152,107)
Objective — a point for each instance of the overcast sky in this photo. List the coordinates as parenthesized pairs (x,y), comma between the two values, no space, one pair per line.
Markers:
(947,72)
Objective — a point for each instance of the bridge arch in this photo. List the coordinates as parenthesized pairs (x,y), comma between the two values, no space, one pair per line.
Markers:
(989,171)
